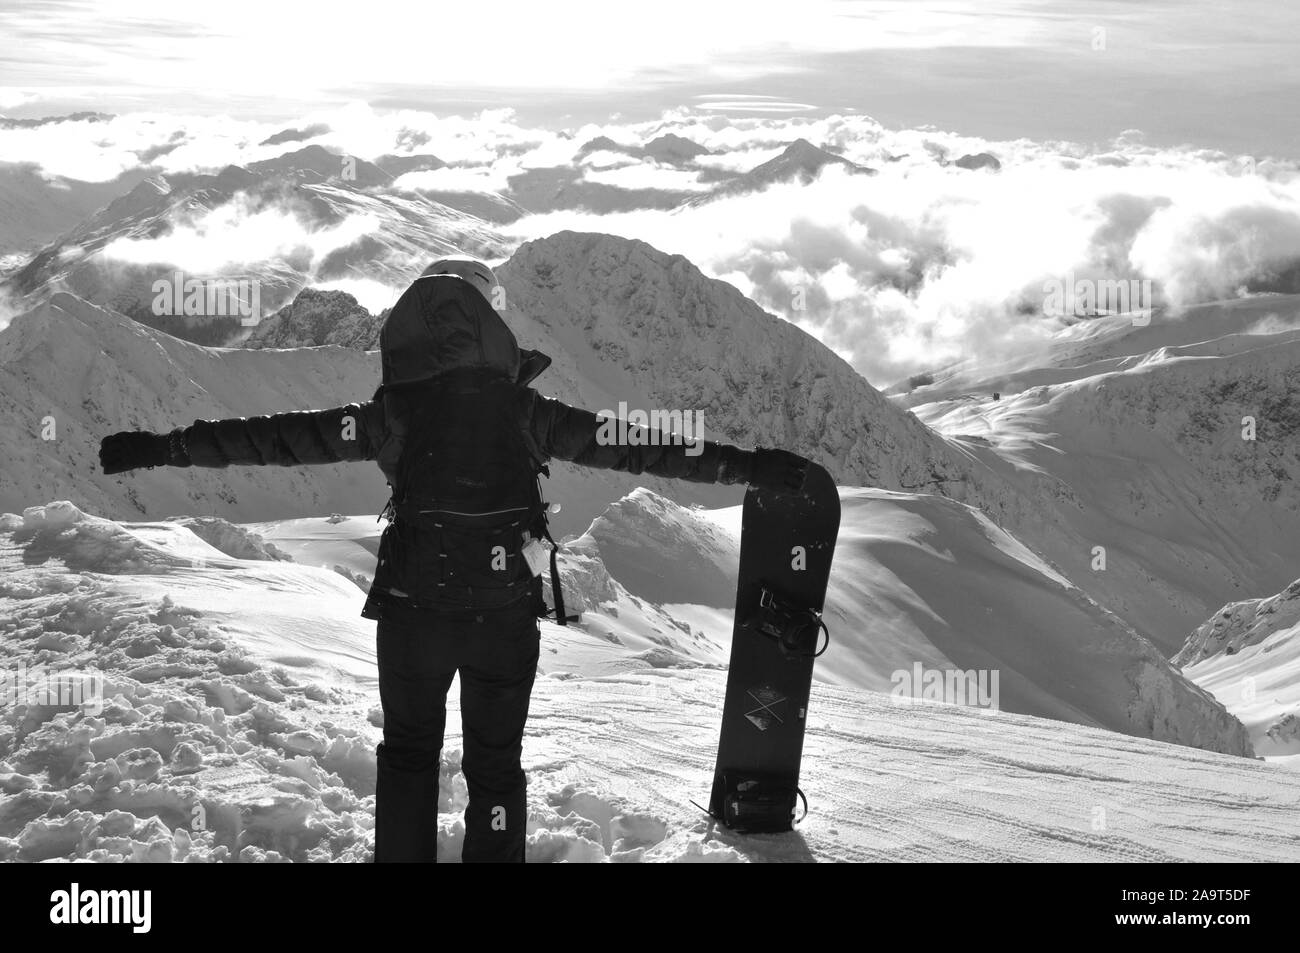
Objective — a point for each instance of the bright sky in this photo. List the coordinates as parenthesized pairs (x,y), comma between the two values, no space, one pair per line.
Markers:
(1226,73)
(569,44)
(1195,70)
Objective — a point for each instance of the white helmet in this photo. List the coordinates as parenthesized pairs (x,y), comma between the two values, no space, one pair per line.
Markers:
(471,269)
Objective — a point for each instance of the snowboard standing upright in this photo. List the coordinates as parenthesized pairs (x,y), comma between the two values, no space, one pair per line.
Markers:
(786,545)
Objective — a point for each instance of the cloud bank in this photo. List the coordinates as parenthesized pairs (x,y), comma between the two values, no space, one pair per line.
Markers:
(915,267)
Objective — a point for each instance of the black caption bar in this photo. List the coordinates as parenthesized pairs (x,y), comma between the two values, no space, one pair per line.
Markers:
(145,903)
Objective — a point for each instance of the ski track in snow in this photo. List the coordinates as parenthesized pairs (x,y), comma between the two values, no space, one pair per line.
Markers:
(922,782)
(274,738)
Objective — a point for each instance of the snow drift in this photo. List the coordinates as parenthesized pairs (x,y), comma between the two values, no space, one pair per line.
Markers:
(239,717)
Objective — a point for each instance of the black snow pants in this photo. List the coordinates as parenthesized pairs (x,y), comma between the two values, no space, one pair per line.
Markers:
(419,652)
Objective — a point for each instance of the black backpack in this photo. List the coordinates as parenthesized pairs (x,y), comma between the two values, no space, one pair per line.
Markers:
(466,491)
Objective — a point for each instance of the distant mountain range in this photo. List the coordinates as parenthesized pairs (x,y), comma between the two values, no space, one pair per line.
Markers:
(412,215)
(320,190)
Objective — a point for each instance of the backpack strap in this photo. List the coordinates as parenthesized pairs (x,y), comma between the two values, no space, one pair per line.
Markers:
(540,468)
(538,461)
(557,591)
(388,512)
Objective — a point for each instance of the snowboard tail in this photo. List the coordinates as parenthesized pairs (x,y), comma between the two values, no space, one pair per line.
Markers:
(786,545)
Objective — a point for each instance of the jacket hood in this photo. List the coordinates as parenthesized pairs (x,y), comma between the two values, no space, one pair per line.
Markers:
(440,324)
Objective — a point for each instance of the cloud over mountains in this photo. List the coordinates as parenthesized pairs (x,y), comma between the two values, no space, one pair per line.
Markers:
(901,271)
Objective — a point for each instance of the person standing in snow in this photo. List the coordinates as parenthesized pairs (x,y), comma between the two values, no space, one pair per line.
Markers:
(461,438)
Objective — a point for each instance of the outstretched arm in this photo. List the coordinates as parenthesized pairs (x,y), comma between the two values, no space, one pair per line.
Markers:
(572,434)
(352,432)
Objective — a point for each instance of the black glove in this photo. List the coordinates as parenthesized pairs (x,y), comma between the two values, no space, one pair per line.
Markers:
(130,450)
(778,470)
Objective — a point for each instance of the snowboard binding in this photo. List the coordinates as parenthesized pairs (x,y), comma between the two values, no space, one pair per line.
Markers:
(756,804)
(796,630)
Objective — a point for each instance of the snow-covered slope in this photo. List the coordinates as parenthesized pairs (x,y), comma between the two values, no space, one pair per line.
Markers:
(1248,656)
(1150,459)
(76,373)
(35,209)
(326,541)
(917,580)
(1113,342)
(238,717)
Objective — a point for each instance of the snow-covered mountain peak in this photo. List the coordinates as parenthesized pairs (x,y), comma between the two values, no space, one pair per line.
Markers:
(1240,625)
(618,310)
(315,318)
(801,162)
(673,148)
(1248,655)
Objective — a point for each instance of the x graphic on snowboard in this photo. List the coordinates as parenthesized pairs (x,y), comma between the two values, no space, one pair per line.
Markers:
(763,716)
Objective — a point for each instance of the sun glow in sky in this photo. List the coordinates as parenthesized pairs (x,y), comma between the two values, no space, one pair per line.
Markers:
(1044,68)
(249,45)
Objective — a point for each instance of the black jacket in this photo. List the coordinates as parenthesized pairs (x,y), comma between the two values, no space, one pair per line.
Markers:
(362,431)
(375,430)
